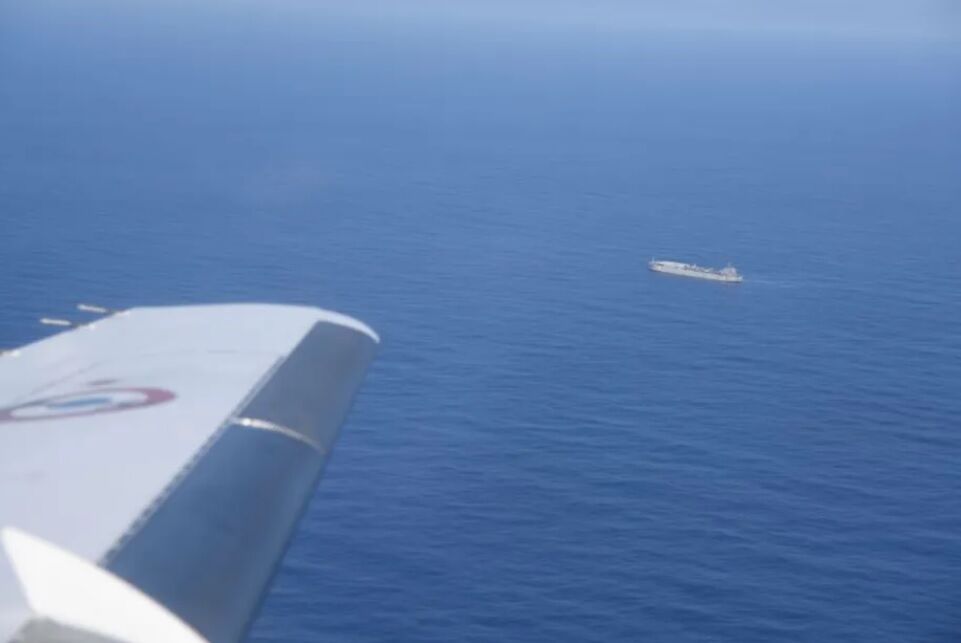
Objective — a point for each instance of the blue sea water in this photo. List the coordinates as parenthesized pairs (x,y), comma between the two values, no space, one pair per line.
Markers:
(555,444)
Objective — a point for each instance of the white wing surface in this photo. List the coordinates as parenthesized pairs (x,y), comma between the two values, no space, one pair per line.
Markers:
(153,465)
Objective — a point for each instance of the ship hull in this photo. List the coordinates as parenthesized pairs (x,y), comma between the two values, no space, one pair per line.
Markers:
(683,270)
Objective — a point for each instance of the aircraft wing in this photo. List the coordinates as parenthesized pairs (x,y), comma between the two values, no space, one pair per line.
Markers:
(153,465)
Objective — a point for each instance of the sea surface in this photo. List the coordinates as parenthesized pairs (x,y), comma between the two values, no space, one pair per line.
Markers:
(555,444)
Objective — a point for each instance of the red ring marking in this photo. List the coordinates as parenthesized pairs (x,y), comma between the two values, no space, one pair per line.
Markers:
(153,396)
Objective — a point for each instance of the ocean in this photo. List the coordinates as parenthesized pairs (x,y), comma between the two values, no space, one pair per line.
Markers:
(554,444)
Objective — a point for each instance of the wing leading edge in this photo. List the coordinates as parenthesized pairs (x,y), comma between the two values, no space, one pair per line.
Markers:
(168,453)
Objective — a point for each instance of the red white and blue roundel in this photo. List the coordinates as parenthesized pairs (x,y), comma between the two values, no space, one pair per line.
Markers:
(89,402)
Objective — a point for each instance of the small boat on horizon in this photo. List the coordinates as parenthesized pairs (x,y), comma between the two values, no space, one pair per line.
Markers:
(728,274)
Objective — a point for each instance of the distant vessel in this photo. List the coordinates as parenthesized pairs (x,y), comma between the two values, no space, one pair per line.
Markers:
(728,274)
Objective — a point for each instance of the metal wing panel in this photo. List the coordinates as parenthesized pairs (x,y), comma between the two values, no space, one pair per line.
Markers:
(211,547)
(80,480)
(108,431)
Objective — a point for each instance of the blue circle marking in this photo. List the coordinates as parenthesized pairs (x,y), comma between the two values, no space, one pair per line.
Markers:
(78,404)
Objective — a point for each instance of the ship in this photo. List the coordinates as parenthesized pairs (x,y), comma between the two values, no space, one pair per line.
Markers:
(728,274)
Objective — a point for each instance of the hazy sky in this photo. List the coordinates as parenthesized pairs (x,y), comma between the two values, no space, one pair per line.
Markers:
(933,21)
(876,20)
